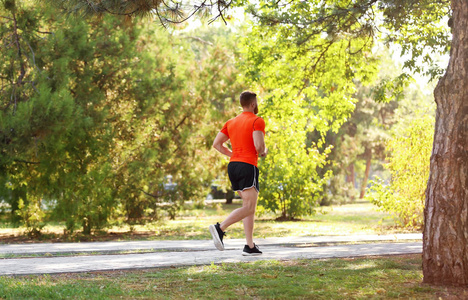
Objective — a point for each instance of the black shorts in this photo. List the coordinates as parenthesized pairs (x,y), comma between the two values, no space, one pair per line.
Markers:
(243,176)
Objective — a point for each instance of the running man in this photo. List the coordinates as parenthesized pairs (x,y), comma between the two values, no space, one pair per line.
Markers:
(247,135)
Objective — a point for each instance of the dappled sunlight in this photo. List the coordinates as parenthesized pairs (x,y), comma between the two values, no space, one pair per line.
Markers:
(207,269)
(360,266)
(348,219)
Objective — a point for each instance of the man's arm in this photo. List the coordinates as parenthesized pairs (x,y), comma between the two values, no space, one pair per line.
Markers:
(259,142)
(220,139)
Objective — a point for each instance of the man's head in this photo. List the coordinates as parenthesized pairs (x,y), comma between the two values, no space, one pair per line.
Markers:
(248,100)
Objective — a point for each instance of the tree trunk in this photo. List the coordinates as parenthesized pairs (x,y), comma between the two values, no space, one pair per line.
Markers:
(351,174)
(366,173)
(445,242)
(229,196)
(351,178)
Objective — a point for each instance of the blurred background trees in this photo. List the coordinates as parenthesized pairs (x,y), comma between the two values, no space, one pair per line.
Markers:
(109,120)
(98,113)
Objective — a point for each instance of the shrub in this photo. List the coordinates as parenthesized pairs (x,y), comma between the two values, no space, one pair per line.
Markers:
(408,163)
(290,183)
(31,216)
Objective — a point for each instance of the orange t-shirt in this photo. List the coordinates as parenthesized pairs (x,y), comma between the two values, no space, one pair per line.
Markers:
(240,131)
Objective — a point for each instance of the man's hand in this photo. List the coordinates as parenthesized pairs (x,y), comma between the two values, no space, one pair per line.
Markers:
(264,154)
(220,139)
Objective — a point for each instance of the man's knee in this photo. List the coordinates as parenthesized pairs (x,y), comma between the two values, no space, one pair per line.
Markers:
(250,206)
(250,200)
(251,209)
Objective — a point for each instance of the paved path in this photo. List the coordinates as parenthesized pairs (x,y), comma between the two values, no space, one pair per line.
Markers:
(183,253)
(193,245)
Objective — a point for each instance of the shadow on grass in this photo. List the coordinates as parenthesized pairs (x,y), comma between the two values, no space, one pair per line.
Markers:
(270,220)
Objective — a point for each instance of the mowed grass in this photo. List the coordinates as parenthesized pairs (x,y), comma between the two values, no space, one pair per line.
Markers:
(192,223)
(363,278)
(350,219)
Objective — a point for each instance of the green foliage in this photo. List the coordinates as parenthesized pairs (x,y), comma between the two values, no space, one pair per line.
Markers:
(95,113)
(359,145)
(408,163)
(59,135)
(31,216)
(390,88)
(323,49)
(192,87)
(309,80)
(422,30)
(104,111)
(289,179)
(167,13)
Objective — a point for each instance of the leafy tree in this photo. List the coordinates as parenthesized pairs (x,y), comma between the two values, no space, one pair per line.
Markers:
(290,181)
(408,162)
(360,142)
(313,75)
(104,112)
(55,133)
(192,85)
(217,51)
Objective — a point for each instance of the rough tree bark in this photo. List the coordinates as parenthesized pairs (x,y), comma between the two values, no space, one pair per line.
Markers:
(445,242)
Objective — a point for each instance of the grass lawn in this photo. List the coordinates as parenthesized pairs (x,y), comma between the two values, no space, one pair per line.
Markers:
(362,278)
(359,218)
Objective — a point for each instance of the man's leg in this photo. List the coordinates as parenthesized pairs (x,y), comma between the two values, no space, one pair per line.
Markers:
(248,229)
(249,204)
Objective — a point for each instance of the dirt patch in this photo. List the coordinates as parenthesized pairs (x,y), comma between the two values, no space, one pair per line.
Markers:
(287,219)
(451,293)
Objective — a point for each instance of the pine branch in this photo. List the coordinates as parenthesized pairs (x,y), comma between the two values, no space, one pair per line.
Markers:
(332,15)
(27,162)
(198,39)
(167,11)
(44,32)
(20,54)
(148,194)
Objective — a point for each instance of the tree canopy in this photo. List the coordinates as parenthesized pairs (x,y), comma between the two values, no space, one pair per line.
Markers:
(97,113)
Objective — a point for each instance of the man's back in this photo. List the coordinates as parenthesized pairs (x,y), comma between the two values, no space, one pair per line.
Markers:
(240,131)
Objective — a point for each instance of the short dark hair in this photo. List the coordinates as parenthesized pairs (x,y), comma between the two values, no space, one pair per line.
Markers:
(246,98)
